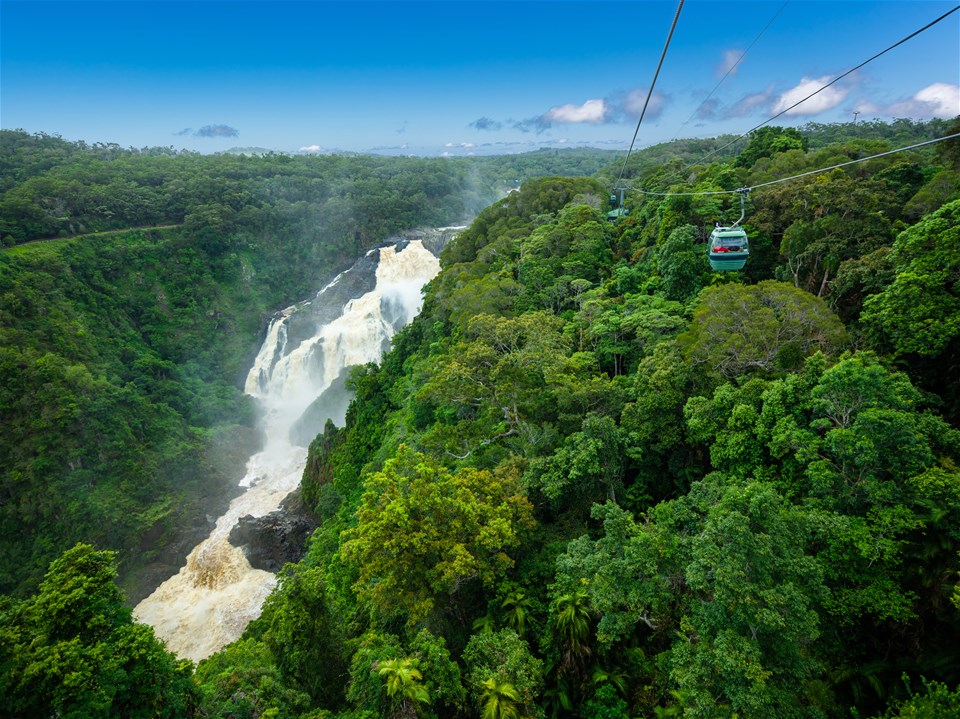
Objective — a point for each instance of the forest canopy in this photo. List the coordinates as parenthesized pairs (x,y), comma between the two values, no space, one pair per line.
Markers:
(593,478)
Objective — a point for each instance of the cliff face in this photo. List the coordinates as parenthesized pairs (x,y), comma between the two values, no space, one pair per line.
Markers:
(166,547)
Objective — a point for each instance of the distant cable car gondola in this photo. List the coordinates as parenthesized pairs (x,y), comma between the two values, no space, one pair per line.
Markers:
(729,247)
(618,210)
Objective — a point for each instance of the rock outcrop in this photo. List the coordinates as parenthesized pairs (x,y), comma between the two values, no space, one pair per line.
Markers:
(271,541)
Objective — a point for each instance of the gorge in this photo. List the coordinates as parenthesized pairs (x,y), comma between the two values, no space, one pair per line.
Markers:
(298,381)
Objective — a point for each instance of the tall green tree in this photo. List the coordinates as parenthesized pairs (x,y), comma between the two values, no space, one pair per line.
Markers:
(843,219)
(298,627)
(492,387)
(588,466)
(919,313)
(73,650)
(768,141)
(404,686)
(682,264)
(424,534)
(243,680)
(500,701)
(571,619)
(744,619)
(502,673)
(765,328)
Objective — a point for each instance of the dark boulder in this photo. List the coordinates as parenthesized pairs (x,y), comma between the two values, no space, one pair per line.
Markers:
(271,541)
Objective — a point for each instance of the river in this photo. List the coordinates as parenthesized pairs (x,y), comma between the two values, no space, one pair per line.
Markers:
(295,381)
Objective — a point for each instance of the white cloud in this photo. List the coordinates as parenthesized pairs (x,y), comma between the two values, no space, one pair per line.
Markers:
(937,100)
(633,103)
(310,148)
(821,102)
(747,104)
(944,98)
(707,110)
(728,63)
(600,111)
(592,111)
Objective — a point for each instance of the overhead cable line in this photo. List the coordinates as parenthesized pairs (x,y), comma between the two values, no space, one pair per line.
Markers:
(802,174)
(663,55)
(836,79)
(732,68)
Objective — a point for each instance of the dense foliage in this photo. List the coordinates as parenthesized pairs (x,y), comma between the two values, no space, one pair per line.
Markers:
(595,479)
(121,351)
(73,650)
(55,188)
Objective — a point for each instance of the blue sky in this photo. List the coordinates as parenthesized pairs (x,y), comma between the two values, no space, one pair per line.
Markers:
(434,78)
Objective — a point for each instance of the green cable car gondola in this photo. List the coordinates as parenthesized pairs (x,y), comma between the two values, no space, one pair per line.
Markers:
(729,247)
(617,209)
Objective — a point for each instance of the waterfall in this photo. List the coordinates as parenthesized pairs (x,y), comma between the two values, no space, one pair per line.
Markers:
(217,593)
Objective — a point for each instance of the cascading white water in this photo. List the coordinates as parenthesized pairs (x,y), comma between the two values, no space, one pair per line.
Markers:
(217,593)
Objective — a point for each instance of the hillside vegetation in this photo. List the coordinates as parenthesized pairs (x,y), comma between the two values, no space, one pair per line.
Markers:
(595,479)
(123,351)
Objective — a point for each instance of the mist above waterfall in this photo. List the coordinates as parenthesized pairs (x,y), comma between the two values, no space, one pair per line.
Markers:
(305,355)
